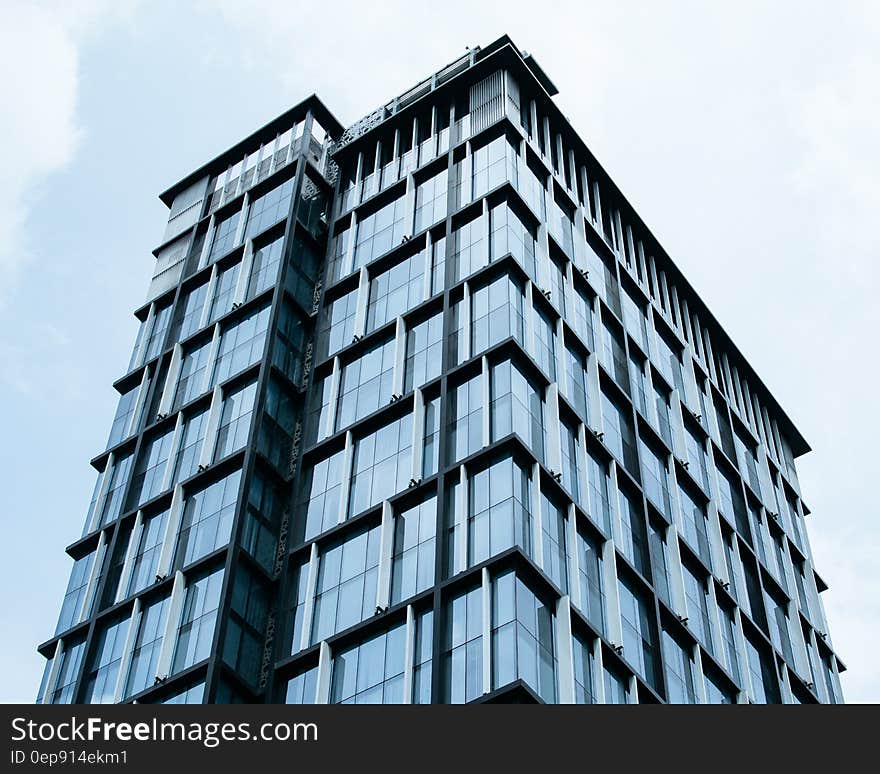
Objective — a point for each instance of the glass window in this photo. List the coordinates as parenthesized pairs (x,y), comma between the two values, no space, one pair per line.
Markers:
(731,502)
(187,462)
(571,455)
(146,560)
(466,418)
(366,384)
(224,291)
(592,596)
(545,343)
(432,437)
(322,495)
(245,636)
(693,522)
(303,688)
(346,588)
(235,420)
(431,200)
(584,670)
(372,671)
(516,406)
(191,381)
(73,608)
(395,291)
(379,232)
(667,356)
(613,356)
(269,208)
(764,685)
(493,164)
(659,563)
(554,544)
(597,475)
(438,265)
(264,270)
(424,352)
(68,672)
(192,695)
(729,646)
(118,481)
(499,513)
(696,456)
(556,269)
(696,599)
(637,382)
(619,435)
(661,401)
(241,345)
(124,419)
(156,340)
(560,225)
(680,672)
(523,637)
(147,645)
(382,465)
(639,632)
(149,473)
(634,318)
(779,624)
(497,313)
(581,317)
(100,680)
(412,566)
(468,251)
(422,658)
(196,630)
(616,691)
(531,187)
(207,519)
(633,538)
(717,692)
(655,480)
(509,235)
(224,236)
(337,324)
(463,648)
(575,384)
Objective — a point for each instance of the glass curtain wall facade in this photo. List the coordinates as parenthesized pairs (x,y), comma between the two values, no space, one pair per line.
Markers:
(421,412)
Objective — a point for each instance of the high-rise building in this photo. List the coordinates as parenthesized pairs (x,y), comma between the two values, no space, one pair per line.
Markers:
(420,411)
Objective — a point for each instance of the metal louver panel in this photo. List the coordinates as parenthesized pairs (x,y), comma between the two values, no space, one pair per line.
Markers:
(486,101)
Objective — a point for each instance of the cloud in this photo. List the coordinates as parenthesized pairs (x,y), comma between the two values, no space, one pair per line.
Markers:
(39,133)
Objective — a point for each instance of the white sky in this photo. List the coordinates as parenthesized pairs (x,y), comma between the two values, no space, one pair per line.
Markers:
(746,137)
